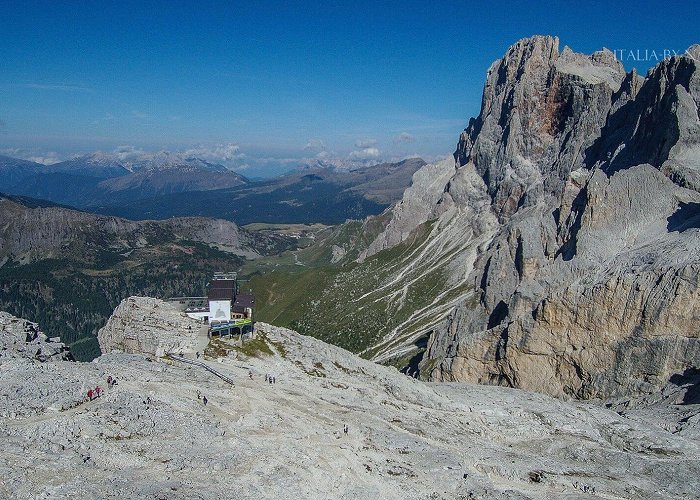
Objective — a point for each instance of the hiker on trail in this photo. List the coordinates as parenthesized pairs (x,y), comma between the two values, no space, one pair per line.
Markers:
(250,374)
(98,391)
(109,381)
(204,400)
(267,377)
(270,380)
(197,353)
(345,429)
(199,395)
(89,394)
(274,379)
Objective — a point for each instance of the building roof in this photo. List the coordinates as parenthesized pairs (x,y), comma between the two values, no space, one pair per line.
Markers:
(221,289)
(243,301)
(222,284)
(225,276)
(221,293)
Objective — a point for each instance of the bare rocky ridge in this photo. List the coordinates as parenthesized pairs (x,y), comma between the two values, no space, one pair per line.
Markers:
(31,234)
(575,196)
(152,436)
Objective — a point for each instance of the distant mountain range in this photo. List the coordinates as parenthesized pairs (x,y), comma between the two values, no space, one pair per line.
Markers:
(163,185)
(94,179)
(306,196)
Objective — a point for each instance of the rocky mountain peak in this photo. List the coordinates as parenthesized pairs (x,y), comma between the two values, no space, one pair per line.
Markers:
(539,111)
(693,52)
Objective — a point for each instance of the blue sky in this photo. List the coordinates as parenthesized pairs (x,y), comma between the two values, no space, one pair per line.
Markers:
(274,82)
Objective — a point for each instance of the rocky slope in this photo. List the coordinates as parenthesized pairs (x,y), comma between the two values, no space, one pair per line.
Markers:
(151,435)
(564,238)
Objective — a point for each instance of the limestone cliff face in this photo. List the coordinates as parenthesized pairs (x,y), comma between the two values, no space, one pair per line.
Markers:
(586,283)
(143,325)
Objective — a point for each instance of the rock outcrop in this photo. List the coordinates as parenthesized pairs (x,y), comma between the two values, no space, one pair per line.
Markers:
(143,325)
(20,338)
(416,207)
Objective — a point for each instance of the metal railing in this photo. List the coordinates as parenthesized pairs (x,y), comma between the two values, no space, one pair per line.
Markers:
(201,364)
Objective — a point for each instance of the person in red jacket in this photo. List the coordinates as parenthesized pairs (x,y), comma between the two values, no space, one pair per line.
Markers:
(89,394)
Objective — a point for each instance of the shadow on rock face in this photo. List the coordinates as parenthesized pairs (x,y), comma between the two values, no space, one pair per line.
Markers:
(686,216)
(498,315)
(413,366)
(690,378)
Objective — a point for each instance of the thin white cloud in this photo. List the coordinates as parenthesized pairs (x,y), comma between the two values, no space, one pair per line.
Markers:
(140,115)
(365,154)
(48,159)
(315,145)
(62,87)
(217,152)
(43,157)
(108,117)
(366,143)
(128,153)
(404,137)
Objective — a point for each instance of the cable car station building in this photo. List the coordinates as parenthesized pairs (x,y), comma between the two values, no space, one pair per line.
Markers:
(225,308)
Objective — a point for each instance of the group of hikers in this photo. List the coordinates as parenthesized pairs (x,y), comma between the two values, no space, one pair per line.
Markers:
(270,378)
(202,398)
(98,391)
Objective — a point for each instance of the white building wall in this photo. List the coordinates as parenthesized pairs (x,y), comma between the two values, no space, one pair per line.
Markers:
(219,310)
